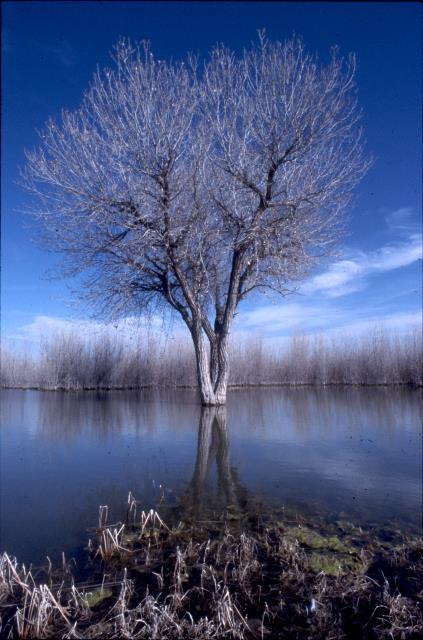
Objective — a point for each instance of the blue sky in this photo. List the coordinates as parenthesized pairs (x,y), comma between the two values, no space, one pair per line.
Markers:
(50,50)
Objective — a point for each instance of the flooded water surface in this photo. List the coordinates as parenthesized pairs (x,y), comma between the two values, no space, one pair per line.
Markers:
(338,454)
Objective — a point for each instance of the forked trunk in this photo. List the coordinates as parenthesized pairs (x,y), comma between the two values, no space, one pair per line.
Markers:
(213,366)
(203,369)
(212,369)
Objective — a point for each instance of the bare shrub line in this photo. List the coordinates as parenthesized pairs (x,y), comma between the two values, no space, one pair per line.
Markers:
(70,362)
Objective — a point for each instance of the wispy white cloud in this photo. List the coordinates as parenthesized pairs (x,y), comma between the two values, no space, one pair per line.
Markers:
(276,324)
(283,318)
(396,255)
(339,279)
(43,325)
(347,276)
(402,220)
(126,329)
(400,322)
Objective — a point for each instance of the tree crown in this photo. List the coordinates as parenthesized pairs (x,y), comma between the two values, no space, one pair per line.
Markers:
(196,184)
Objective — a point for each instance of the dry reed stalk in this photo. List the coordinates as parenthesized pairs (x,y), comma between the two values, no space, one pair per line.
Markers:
(241,585)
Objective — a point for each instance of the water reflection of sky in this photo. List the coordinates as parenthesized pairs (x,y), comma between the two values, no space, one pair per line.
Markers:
(351,453)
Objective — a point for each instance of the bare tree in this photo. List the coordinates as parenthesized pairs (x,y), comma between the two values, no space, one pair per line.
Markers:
(193,186)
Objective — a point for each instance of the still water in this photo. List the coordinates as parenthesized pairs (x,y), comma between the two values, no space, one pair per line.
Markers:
(334,453)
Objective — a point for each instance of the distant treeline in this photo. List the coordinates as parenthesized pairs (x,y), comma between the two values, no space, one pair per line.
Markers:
(68,361)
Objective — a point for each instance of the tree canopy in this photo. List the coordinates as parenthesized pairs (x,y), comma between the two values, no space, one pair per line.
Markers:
(193,185)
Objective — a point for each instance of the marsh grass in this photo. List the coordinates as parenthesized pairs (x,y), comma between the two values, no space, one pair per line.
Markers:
(251,577)
(69,361)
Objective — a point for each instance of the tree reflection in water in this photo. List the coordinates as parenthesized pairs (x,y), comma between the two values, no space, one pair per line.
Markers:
(199,501)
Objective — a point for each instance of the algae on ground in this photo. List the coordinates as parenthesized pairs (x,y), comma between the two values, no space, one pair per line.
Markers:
(333,564)
(310,538)
(97,596)
(327,553)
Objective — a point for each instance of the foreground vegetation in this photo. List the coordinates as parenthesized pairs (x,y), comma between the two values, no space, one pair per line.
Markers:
(69,361)
(242,575)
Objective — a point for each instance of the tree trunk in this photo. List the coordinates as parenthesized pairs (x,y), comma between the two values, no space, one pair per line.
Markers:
(214,363)
(203,367)
(221,385)
(212,369)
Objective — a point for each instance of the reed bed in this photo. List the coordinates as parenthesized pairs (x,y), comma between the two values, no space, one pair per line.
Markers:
(69,361)
(250,576)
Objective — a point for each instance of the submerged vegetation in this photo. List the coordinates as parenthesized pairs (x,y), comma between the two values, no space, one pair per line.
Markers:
(100,361)
(261,574)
